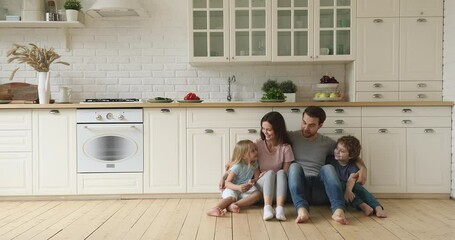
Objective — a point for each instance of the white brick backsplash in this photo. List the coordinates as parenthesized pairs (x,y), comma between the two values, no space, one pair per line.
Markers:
(130,81)
(163,88)
(130,67)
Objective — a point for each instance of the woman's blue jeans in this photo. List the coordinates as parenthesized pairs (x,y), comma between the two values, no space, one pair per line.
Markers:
(320,189)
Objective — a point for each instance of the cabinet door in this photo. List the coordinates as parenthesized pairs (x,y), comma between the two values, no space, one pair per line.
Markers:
(384,153)
(378,8)
(15,173)
(237,134)
(335,133)
(377,44)
(334,21)
(414,8)
(429,160)
(421,48)
(250,38)
(292,29)
(165,150)
(54,152)
(207,153)
(208,31)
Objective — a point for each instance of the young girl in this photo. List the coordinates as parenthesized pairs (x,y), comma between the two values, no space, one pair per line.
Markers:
(347,152)
(240,191)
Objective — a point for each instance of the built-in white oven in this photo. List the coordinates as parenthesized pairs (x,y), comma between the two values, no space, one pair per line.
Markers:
(110,140)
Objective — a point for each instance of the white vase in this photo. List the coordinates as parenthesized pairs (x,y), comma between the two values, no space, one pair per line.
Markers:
(290,97)
(44,87)
(71,15)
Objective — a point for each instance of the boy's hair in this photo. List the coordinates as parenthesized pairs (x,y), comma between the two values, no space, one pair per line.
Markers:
(279,126)
(241,148)
(315,112)
(352,144)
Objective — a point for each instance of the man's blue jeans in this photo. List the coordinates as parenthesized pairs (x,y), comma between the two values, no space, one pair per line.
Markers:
(320,189)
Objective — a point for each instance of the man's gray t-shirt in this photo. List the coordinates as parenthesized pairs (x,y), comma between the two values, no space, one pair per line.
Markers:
(311,155)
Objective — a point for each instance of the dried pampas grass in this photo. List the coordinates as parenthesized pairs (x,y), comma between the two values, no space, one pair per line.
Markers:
(38,58)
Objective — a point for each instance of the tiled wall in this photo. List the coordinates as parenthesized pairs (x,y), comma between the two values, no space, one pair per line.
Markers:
(147,58)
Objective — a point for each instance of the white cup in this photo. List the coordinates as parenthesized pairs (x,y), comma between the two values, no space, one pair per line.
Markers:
(64,94)
(324,51)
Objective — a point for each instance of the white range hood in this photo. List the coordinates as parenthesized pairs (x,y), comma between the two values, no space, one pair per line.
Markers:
(117,8)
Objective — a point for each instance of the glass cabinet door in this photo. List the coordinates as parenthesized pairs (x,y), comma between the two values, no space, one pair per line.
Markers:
(250,34)
(334,28)
(292,28)
(208,30)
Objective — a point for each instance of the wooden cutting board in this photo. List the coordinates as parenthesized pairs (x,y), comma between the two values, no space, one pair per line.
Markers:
(19,91)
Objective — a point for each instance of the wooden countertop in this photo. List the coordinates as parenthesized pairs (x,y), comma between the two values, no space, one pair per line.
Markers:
(222,104)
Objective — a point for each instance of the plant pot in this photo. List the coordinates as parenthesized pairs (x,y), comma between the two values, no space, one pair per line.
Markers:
(290,97)
(44,88)
(71,15)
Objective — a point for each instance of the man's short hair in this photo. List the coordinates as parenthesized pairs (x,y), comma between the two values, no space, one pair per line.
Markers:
(315,112)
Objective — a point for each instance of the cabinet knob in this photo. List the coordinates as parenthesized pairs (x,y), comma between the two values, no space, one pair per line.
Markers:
(230,110)
(378,20)
(383,130)
(406,110)
(295,110)
(165,110)
(338,131)
(339,121)
(252,130)
(377,85)
(421,95)
(421,20)
(428,130)
(406,121)
(208,130)
(377,95)
(54,111)
(421,85)
(339,110)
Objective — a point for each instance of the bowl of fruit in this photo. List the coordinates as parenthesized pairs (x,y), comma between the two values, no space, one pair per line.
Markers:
(191,98)
(159,100)
(328,82)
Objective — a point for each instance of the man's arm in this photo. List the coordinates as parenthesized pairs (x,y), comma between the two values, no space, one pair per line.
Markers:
(348,194)
(362,179)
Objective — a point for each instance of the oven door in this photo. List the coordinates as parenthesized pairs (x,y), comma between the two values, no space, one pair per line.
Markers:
(110,148)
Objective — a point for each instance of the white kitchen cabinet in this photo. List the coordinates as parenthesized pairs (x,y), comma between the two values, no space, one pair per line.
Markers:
(211,137)
(165,150)
(16,152)
(378,8)
(229,31)
(313,30)
(410,8)
(109,183)
(407,149)
(54,151)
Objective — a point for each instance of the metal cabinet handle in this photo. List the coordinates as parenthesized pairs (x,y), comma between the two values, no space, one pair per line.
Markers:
(54,111)
(378,20)
(406,121)
(208,130)
(230,110)
(421,85)
(339,121)
(421,95)
(377,95)
(406,110)
(377,85)
(165,110)
(383,130)
(339,110)
(338,131)
(428,130)
(421,20)
(252,130)
(295,110)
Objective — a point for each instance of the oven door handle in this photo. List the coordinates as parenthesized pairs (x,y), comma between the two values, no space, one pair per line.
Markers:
(110,127)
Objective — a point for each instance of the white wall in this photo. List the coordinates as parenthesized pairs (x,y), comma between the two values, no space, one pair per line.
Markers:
(148,58)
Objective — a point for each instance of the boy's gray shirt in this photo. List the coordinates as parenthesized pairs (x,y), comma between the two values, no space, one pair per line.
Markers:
(311,155)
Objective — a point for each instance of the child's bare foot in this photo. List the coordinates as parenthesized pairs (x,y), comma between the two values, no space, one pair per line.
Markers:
(366,209)
(215,212)
(380,212)
(233,208)
(302,215)
(339,217)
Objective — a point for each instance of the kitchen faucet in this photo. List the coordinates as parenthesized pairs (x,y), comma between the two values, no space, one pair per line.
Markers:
(230,81)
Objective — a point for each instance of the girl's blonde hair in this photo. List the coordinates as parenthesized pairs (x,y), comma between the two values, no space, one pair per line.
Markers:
(241,148)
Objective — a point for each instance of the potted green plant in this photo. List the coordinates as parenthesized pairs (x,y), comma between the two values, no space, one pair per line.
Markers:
(269,84)
(289,89)
(72,9)
(273,94)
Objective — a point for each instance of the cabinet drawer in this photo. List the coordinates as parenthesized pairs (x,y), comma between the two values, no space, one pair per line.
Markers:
(376,96)
(342,122)
(420,86)
(378,8)
(407,111)
(15,119)
(335,133)
(411,8)
(225,117)
(329,111)
(377,86)
(15,141)
(109,183)
(406,122)
(420,96)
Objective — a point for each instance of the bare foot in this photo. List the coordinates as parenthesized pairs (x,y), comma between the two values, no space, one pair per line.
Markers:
(366,209)
(215,212)
(233,208)
(302,215)
(339,217)
(380,212)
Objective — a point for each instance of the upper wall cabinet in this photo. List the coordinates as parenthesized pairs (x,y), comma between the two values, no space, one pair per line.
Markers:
(414,8)
(312,30)
(378,8)
(230,31)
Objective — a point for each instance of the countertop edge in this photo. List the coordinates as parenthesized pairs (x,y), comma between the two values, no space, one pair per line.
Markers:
(223,104)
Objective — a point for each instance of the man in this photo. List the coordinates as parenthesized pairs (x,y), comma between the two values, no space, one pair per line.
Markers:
(309,179)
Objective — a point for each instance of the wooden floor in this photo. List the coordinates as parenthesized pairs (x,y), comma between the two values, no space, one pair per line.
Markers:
(186,219)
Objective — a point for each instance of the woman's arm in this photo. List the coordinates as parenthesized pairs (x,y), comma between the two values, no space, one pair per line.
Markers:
(223,178)
(286,166)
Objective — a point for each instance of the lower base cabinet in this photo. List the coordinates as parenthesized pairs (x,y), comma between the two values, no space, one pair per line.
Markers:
(109,183)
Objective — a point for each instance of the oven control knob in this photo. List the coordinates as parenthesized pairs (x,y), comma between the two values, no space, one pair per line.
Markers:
(121,117)
(98,117)
(110,116)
